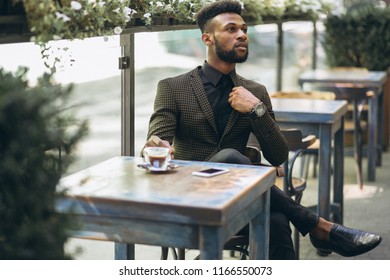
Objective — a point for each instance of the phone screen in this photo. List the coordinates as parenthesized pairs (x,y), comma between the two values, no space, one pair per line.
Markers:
(209,172)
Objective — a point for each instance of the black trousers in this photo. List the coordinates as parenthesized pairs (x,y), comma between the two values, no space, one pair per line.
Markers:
(283,210)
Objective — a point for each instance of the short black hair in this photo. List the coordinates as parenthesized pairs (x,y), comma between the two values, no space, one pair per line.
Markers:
(208,12)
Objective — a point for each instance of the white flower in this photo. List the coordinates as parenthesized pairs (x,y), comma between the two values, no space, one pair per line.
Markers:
(159,4)
(117,10)
(65,18)
(127,10)
(242,4)
(147,15)
(75,5)
(118,30)
(91,1)
(101,4)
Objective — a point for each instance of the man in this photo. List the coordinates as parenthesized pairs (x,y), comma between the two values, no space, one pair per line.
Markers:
(208,113)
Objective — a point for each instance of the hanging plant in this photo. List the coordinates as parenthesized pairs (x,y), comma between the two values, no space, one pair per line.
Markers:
(71,19)
(79,19)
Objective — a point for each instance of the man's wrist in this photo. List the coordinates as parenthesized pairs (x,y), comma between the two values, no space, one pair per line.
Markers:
(257,111)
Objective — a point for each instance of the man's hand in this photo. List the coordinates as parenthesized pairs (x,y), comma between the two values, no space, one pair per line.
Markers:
(155,141)
(242,100)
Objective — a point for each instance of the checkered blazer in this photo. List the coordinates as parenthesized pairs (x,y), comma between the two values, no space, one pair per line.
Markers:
(183,116)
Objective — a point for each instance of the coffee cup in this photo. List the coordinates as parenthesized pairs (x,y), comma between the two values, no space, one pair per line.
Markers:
(157,157)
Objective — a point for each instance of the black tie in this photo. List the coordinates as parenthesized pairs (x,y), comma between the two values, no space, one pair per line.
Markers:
(223,108)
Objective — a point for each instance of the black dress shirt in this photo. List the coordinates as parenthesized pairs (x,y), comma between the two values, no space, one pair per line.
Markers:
(218,87)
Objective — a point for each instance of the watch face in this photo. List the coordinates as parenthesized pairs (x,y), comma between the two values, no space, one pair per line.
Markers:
(260,109)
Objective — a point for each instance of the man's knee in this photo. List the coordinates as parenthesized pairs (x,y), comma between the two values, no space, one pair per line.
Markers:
(230,156)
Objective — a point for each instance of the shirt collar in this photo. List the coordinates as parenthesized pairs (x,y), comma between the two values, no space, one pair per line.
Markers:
(213,75)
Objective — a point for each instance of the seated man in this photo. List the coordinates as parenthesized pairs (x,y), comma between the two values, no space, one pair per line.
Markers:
(208,113)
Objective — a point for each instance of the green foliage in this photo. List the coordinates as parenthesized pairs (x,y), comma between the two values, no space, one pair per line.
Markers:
(34,124)
(360,38)
(186,9)
(79,19)
(67,19)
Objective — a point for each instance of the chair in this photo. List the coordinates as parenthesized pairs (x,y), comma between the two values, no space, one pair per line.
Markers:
(293,186)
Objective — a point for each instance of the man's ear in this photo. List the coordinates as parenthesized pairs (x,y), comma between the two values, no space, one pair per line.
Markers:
(207,39)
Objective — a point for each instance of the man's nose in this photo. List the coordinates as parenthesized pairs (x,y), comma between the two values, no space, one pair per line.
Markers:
(242,34)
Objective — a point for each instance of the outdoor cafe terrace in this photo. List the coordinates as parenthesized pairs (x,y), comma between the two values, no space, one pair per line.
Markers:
(115,69)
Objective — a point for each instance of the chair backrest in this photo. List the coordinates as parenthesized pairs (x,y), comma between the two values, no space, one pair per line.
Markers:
(293,136)
(297,144)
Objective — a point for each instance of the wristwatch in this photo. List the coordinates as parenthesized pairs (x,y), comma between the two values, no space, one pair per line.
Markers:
(258,110)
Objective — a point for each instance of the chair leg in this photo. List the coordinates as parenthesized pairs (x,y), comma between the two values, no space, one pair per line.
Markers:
(182,254)
(164,253)
(315,163)
(296,243)
(298,198)
(305,161)
(358,143)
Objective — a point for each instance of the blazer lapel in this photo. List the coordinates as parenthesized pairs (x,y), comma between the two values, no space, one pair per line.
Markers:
(200,94)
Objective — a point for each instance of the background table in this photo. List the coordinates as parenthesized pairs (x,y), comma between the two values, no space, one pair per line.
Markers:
(325,119)
(346,81)
(118,201)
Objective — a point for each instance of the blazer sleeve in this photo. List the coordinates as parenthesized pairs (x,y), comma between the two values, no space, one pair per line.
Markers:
(164,118)
(272,142)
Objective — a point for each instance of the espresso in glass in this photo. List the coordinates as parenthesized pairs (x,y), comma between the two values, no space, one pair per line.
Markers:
(158,161)
(157,157)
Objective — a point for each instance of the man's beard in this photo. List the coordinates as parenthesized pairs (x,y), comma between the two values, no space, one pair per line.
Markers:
(229,56)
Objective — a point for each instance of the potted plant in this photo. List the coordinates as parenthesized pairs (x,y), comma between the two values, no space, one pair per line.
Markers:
(34,127)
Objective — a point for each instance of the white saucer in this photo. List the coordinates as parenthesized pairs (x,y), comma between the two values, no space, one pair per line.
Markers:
(150,168)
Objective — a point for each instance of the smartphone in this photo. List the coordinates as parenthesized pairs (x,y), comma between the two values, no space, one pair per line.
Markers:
(210,172)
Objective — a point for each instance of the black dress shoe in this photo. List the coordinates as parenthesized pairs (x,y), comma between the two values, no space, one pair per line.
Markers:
(347,242)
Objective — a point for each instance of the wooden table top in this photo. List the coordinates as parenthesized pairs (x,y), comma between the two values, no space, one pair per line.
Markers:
(117,187)
(367,78)
(308,110)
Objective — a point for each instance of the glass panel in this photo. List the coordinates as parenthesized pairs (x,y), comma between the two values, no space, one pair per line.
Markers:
(92,65)
(297,52)
(160,55)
